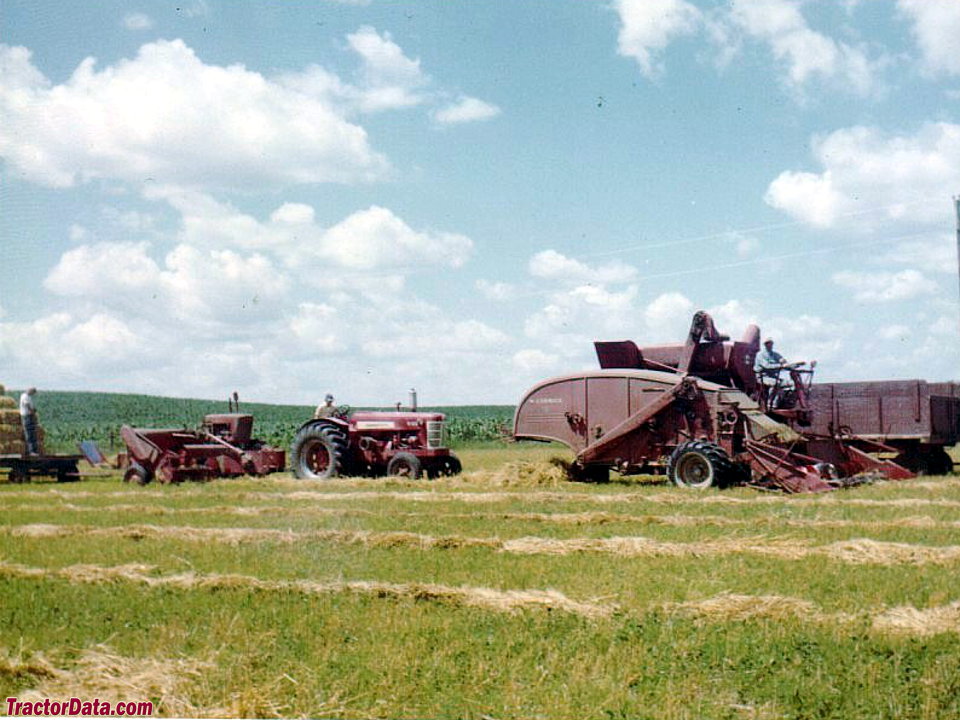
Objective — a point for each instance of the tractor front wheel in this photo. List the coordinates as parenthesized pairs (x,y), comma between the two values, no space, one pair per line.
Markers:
(404,464)
(447,467)
(699,465)
(318,452)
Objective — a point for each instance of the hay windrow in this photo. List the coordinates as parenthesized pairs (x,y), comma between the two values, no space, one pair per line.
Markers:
(725,607)
(508,601)
(587,517)
(442,495)
(910,621)
(860,551)
(732,607)
(101,673)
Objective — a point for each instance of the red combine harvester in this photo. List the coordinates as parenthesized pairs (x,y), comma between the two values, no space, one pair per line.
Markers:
(223,447)
(700,406)
(403,443)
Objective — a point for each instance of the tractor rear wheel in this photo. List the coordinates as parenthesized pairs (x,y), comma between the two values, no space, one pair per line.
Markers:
(318,452)
(699,465)
(137,473)
(404,464)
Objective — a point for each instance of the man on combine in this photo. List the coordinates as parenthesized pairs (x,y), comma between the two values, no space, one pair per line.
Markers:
(326,410)
(28,417)
(768,363)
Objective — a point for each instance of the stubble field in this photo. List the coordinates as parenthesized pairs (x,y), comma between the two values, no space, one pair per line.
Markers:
(504,593)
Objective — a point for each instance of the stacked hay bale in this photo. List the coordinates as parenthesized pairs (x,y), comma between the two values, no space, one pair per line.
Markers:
(11,427)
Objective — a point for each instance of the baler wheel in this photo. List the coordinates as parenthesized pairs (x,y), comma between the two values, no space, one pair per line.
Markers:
(404,464)
(137,473)
(318,452)
(699,465)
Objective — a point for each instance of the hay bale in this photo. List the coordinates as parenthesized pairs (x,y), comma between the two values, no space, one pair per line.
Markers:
(9,416)
(13,447)
(7,402)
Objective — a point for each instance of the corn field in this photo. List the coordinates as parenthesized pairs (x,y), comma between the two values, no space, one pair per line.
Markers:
(72,417)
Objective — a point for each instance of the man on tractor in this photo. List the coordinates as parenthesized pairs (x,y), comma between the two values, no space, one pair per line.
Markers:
(326,410)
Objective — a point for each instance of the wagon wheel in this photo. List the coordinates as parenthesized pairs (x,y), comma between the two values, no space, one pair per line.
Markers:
(137,473)
(17,475)
(403,464)
(318,452)
(698,464)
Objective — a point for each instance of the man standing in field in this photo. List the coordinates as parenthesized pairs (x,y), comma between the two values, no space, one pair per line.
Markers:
(326,410)
(28,417)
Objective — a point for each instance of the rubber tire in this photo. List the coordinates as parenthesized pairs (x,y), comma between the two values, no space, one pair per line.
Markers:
(404,464)
(447,467)
(926,461)
(137,473)
(699,458)
(68,474)
(588,473)
(331,438)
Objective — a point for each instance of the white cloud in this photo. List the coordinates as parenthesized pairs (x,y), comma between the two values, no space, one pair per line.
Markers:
(807,54)
(648,26)
(744,245)
(808,337)
(104,270)
(571,320)
(61,347)
(551,265)
(533,360)
(894,332)
(935,254)
(884,286)
(168,117)
(389,78)
(936,28)
(865,170)
(668,317)
(376,238)
(498,291)
(466,109)
(137,21)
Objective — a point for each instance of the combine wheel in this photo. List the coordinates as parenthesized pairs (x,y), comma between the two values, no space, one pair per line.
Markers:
(318,452)
(137,473)
(403,464)
(699,465)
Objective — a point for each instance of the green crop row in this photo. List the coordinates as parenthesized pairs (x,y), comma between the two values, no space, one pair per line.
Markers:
(72,417)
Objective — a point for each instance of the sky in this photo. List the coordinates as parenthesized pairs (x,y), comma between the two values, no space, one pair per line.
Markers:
(294,198)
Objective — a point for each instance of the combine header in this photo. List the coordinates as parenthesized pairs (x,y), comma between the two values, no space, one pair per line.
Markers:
(700,406)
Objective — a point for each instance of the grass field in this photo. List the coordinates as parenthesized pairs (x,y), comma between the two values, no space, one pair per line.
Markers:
(504,593)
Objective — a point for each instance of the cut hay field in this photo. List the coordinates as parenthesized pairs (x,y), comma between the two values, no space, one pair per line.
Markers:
(503,593)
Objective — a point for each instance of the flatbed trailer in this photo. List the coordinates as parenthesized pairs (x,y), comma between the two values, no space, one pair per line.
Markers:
(23,468)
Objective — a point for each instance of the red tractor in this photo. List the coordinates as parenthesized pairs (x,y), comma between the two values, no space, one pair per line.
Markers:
(373,443)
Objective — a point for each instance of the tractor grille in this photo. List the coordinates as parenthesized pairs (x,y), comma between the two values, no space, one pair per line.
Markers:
(436,434)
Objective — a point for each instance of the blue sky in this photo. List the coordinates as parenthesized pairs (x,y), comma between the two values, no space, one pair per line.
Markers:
(359,197)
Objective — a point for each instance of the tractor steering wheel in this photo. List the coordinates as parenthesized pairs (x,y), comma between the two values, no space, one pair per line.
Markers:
(342,411)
